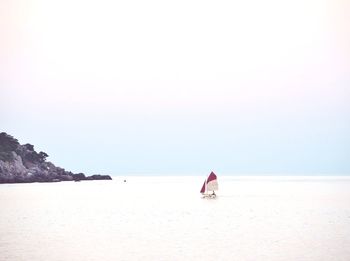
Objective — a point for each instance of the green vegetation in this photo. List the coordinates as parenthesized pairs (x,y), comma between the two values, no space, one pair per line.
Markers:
(8,144)
(35,157)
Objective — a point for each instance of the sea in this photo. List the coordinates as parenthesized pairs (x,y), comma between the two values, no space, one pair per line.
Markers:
(165,218)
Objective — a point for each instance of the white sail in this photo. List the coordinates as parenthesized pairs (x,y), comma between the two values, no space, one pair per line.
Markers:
(212,185)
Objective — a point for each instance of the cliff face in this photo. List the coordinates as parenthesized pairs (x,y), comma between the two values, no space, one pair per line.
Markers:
(21,163)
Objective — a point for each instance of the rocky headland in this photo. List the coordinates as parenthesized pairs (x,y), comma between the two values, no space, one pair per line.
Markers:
(22,164)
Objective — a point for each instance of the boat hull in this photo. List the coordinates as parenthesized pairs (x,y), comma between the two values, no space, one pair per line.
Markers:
(209,196)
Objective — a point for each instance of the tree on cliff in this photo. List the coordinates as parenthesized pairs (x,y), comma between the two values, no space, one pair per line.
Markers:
(36,157)
(29,146)
(7,145)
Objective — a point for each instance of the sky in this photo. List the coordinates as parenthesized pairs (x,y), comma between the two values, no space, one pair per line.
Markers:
(179,87)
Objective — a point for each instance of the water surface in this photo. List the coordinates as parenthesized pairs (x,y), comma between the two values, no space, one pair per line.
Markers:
(164,218)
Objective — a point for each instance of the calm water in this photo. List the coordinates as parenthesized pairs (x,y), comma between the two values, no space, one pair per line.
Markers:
(164,218)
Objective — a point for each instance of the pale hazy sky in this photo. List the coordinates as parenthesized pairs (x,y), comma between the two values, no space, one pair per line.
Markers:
(121,87)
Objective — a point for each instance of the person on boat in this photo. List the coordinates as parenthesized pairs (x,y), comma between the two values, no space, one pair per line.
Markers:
(213,194)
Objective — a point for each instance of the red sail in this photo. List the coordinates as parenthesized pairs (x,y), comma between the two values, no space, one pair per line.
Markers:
(203,187)
(211,177)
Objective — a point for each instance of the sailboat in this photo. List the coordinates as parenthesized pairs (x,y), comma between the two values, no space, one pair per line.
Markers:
(210,184)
